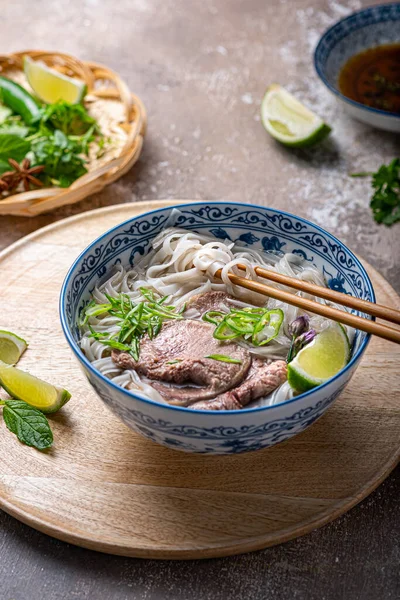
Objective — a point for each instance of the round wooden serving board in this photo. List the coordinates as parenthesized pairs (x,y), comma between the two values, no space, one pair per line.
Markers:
(103,487)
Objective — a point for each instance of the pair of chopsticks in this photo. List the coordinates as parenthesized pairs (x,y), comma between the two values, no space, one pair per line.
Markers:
(370,308)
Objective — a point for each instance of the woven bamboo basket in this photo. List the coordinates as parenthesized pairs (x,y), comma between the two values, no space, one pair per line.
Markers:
(112,95)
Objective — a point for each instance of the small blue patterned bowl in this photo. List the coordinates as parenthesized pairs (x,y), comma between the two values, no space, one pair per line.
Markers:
(370,27)
(263,228)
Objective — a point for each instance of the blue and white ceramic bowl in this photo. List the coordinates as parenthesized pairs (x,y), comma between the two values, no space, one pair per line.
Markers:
(256,226)
(370,27)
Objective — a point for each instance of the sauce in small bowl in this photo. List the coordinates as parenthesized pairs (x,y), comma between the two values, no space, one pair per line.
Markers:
(372,77)
(358,60)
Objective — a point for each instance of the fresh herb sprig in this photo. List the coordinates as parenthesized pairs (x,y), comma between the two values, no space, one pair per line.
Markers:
(28,423)
(71,119)
(385,201)
(58,138)
(135,319)
(60,155)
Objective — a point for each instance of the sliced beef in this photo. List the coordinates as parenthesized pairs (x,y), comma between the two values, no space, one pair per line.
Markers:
(188,342)
(209,301)
(262,379)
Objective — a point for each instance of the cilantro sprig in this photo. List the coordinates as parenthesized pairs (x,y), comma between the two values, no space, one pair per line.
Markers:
(385,201)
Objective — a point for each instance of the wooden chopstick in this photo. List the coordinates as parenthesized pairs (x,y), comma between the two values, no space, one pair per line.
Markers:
(383,331)
(376,310)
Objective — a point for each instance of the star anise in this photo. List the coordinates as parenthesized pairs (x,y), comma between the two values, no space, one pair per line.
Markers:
(22,173)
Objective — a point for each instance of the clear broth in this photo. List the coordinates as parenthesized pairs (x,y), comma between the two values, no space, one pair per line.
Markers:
(372,77)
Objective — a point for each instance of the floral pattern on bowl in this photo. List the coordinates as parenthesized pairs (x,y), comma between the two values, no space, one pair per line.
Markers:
(222,432)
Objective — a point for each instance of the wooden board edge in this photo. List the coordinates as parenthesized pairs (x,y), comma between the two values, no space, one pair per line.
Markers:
(244,547)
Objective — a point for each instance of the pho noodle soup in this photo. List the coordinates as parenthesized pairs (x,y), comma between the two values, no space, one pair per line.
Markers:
(170,330)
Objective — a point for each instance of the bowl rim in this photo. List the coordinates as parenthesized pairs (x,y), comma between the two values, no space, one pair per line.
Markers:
(82,358)
(320,70)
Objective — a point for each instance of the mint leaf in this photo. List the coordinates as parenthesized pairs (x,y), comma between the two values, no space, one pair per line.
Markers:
(13,146)
(29,424)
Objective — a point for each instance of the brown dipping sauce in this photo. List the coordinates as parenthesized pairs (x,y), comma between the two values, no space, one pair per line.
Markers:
(372,77)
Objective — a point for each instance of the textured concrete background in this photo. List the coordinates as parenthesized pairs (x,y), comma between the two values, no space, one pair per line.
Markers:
(201,67)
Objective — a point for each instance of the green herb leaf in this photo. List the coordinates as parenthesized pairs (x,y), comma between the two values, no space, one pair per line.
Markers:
(385,202)
(61,157)
(29,424)
(13,146)
(223,358)
(70,119)
(174,362)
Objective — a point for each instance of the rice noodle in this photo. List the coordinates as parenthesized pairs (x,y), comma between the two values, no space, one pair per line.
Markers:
(182,264)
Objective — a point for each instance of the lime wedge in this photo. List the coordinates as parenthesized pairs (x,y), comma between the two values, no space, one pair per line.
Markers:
(32,390)
(50,85)
(288,121)
(12,347)
(320,360)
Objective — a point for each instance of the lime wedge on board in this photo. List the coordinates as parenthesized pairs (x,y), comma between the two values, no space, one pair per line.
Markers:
(289,121)
(11,347)
(50,85)
(320,360)
(32,390)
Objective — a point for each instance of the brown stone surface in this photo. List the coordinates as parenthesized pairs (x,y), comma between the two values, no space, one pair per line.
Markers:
(201,67)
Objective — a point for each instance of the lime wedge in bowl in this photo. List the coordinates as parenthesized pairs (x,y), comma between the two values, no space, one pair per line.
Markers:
(32,390)
(320,360)
(289,121)
(50,85)
(12,347)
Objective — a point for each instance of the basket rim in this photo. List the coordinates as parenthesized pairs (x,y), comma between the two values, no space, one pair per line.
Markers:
(35,201)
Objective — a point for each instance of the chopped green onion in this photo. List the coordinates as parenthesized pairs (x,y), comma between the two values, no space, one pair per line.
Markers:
(85,319)
(239,324)
(136,319)
(135,348)
(116,345)
(182,309)
(224,358)
(248,316)
(124,335)
(248,323)
(213,316)
(148,294)
(98,309)
(273,319)
(222,332)
(97,335)
(173,362)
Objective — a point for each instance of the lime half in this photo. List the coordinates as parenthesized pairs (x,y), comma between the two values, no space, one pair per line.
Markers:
(288,121)
(320,360)
(12,347)
(50,85)
(32,390)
